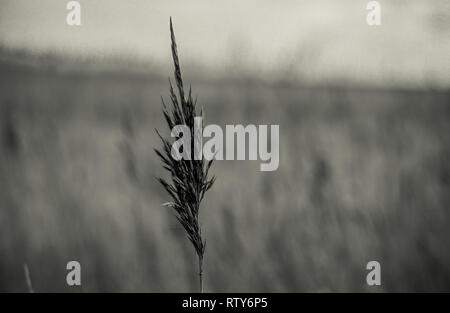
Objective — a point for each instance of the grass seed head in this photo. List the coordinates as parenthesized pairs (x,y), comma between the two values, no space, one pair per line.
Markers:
(189,178)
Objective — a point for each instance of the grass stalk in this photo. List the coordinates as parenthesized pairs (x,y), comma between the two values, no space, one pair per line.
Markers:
(200,272)
(189,178)
(28,278)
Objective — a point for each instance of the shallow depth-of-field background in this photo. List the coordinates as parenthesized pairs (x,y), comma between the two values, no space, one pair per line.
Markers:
(364,175)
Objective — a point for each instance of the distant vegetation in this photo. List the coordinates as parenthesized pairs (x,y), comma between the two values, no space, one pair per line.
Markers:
(364,175)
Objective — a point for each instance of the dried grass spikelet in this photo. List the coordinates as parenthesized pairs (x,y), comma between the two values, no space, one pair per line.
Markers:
(189,178)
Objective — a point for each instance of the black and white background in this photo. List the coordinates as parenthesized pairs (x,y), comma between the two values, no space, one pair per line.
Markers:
(364,169)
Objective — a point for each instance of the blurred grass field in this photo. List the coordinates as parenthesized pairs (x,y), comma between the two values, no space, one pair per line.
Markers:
(364,175)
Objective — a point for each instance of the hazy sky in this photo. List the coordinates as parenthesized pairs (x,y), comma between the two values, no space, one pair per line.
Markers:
(316,39)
